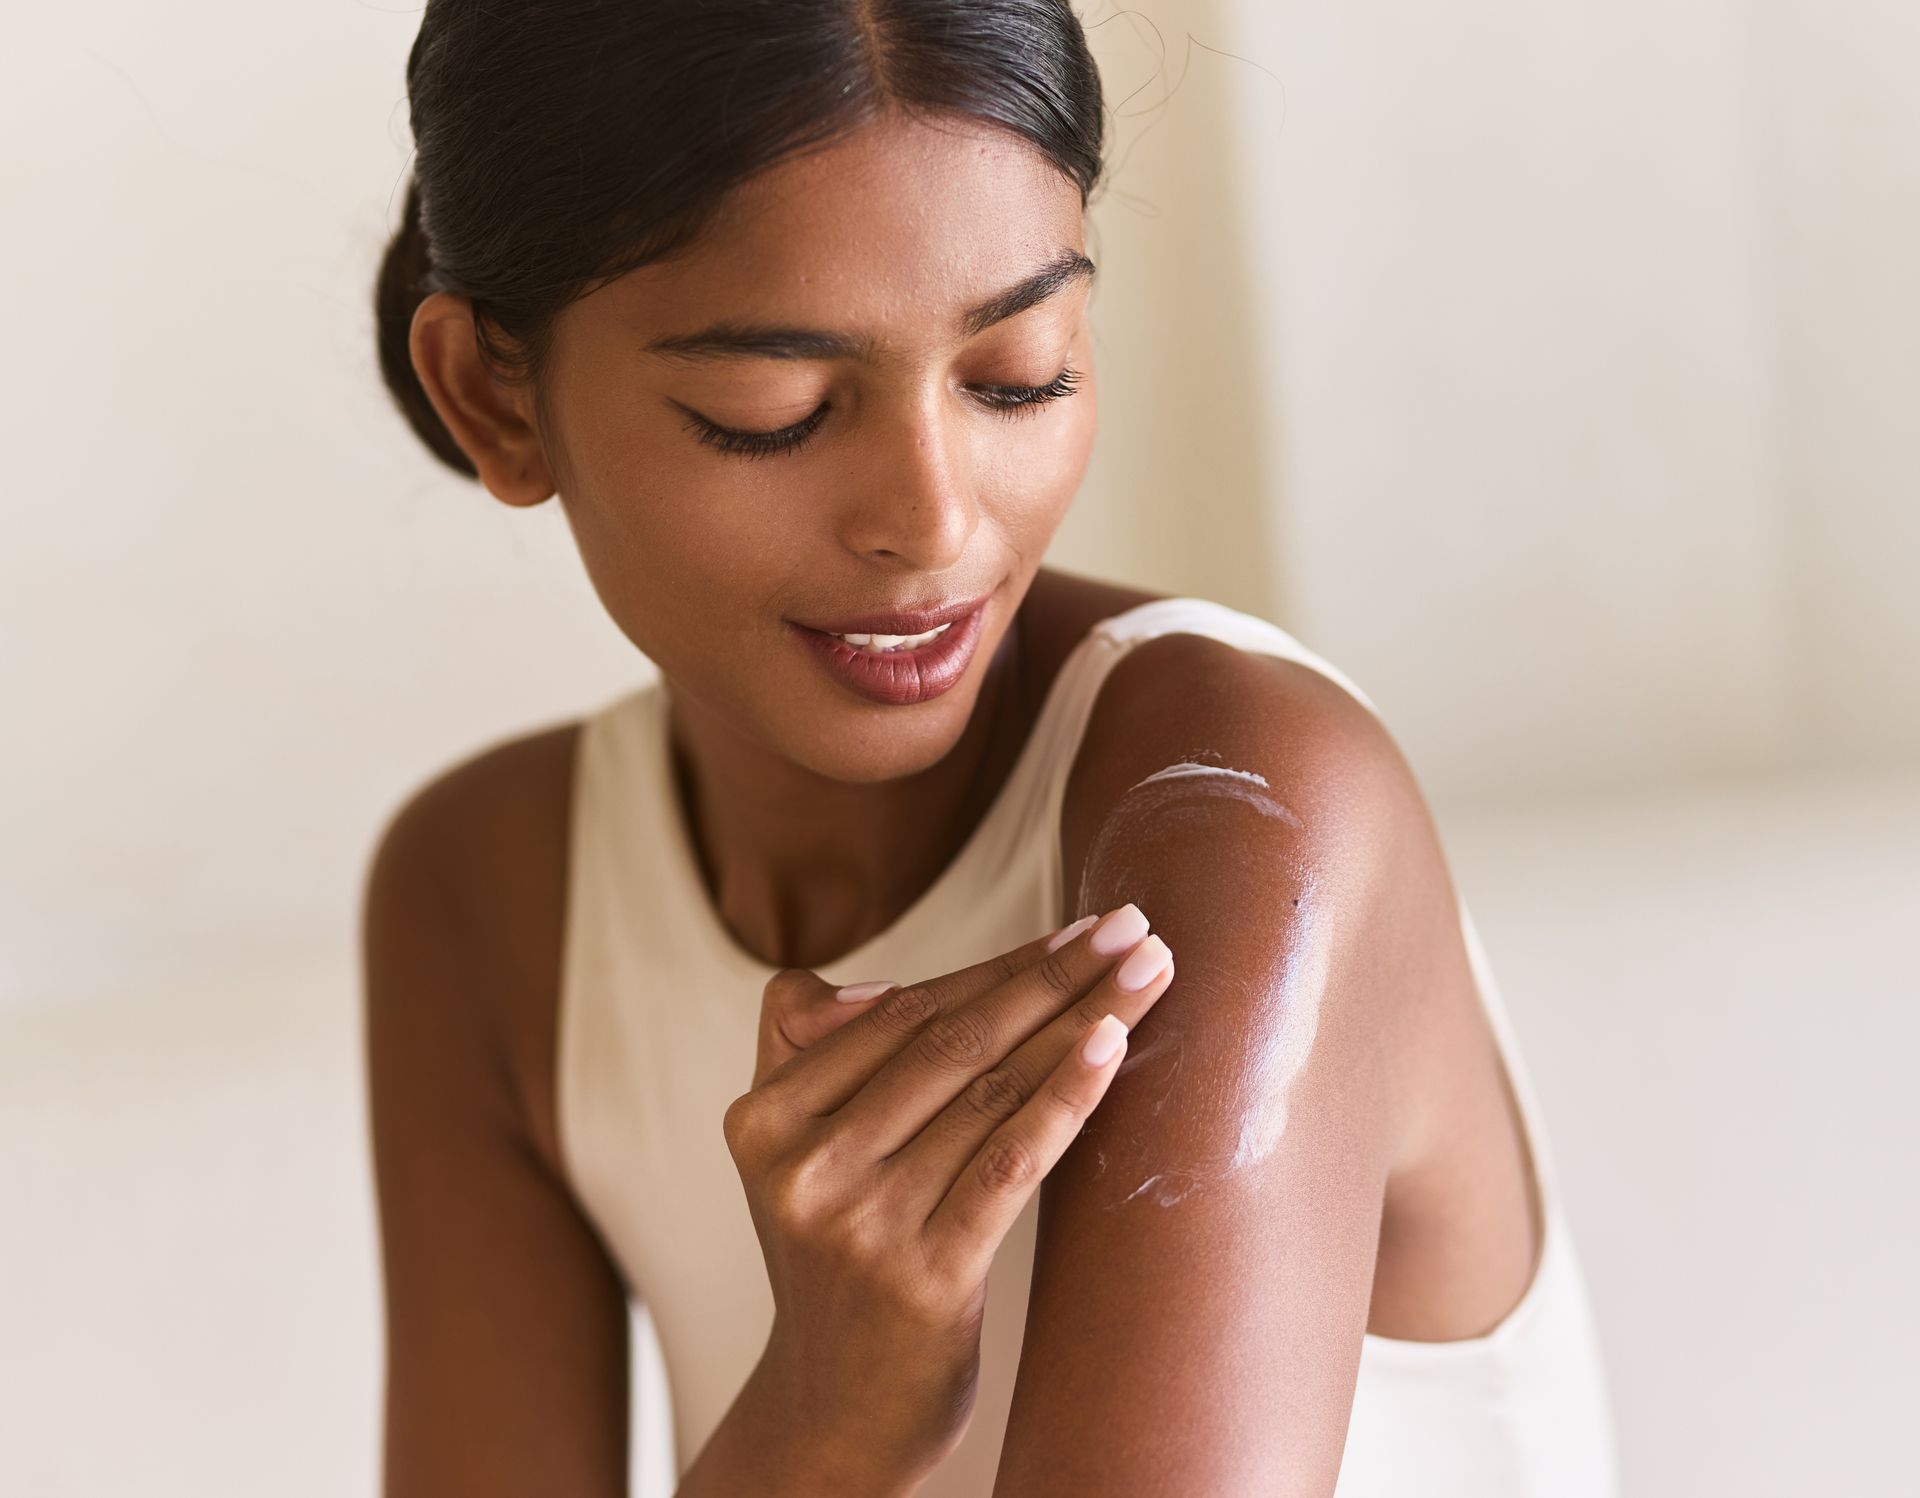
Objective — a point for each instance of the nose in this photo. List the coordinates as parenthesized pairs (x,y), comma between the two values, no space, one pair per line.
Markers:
(913,502)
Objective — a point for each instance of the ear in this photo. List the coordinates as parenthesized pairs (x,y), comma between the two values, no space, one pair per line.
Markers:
(490,419)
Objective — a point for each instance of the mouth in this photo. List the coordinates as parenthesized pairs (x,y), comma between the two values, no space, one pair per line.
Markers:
(899,669)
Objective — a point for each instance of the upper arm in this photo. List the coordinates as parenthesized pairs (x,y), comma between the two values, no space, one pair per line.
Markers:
(1204,1263)
(506,1324)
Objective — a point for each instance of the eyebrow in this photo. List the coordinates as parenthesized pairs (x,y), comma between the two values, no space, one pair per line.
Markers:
(735,340)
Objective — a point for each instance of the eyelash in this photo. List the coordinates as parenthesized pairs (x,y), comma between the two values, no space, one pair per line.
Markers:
(1012,401)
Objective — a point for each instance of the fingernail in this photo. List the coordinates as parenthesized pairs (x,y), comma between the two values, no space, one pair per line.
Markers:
(1142,966)
(1120,930)
(1067,933)
(853,993)
(1104,1040)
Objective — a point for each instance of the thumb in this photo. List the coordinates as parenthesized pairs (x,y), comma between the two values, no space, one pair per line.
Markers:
(798,1007)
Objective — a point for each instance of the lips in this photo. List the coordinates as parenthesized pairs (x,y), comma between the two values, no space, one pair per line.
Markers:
(904,621)
(898,678)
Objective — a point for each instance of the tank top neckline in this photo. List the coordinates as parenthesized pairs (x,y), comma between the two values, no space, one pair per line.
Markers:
(683,874)
(680,876)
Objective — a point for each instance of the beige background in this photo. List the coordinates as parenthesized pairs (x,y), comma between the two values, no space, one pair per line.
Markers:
(1552,369)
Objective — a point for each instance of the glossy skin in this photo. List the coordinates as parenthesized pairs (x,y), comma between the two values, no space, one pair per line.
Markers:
(1253,1192)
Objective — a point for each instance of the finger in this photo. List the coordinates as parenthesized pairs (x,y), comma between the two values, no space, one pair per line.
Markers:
(798,1007)
(930,1166)
(964,1231)
(945,1056)
(839,1064)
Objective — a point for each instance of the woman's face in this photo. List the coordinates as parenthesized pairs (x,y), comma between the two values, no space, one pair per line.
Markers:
(911,481)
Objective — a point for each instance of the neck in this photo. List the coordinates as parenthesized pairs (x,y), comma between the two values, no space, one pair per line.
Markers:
(802,868)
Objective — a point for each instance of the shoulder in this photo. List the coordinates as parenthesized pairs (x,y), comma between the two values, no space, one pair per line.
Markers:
(484,837)
(1198,700)
(1227,784)
(463,902)
(479,803)
(1321,815)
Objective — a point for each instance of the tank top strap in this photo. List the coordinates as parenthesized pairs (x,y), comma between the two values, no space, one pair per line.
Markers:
(1203,616)
(1539,1138)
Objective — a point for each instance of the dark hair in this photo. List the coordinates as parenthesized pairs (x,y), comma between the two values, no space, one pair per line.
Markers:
(561,143)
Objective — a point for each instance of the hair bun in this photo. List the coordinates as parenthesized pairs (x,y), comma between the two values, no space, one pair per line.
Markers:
(399,289)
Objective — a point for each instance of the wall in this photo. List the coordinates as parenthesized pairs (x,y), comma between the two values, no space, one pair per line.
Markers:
(1575,354)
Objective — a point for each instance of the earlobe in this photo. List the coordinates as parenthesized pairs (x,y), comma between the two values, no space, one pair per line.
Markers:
(484,414)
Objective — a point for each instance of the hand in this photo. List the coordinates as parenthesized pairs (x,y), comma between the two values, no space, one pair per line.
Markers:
(887,1146)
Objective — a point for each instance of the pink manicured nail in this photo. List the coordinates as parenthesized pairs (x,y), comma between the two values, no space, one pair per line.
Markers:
(1120,930)
(853,993)
(1104,1040)
(1067,933)
(1142,965)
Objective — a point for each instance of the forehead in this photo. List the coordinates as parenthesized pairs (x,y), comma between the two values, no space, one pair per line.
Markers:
(898,224)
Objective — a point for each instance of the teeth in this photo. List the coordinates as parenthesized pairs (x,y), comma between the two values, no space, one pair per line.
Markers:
(878,643)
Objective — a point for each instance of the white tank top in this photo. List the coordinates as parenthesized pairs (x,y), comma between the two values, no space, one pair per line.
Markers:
(657,1035)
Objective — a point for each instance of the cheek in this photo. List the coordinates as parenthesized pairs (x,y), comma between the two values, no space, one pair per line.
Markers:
(678,548)
(652,501)
(676,558)
(1074,444)
(1040,463)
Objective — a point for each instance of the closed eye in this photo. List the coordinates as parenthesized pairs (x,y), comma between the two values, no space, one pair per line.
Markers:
(1013,401)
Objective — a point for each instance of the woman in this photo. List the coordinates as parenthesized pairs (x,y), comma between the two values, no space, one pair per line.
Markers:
(763,994)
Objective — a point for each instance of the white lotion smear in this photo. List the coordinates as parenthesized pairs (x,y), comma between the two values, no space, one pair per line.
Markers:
(1285,1008)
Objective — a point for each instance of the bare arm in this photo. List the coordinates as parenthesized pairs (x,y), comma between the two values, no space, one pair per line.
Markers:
(507,1357)
(1205,1261)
